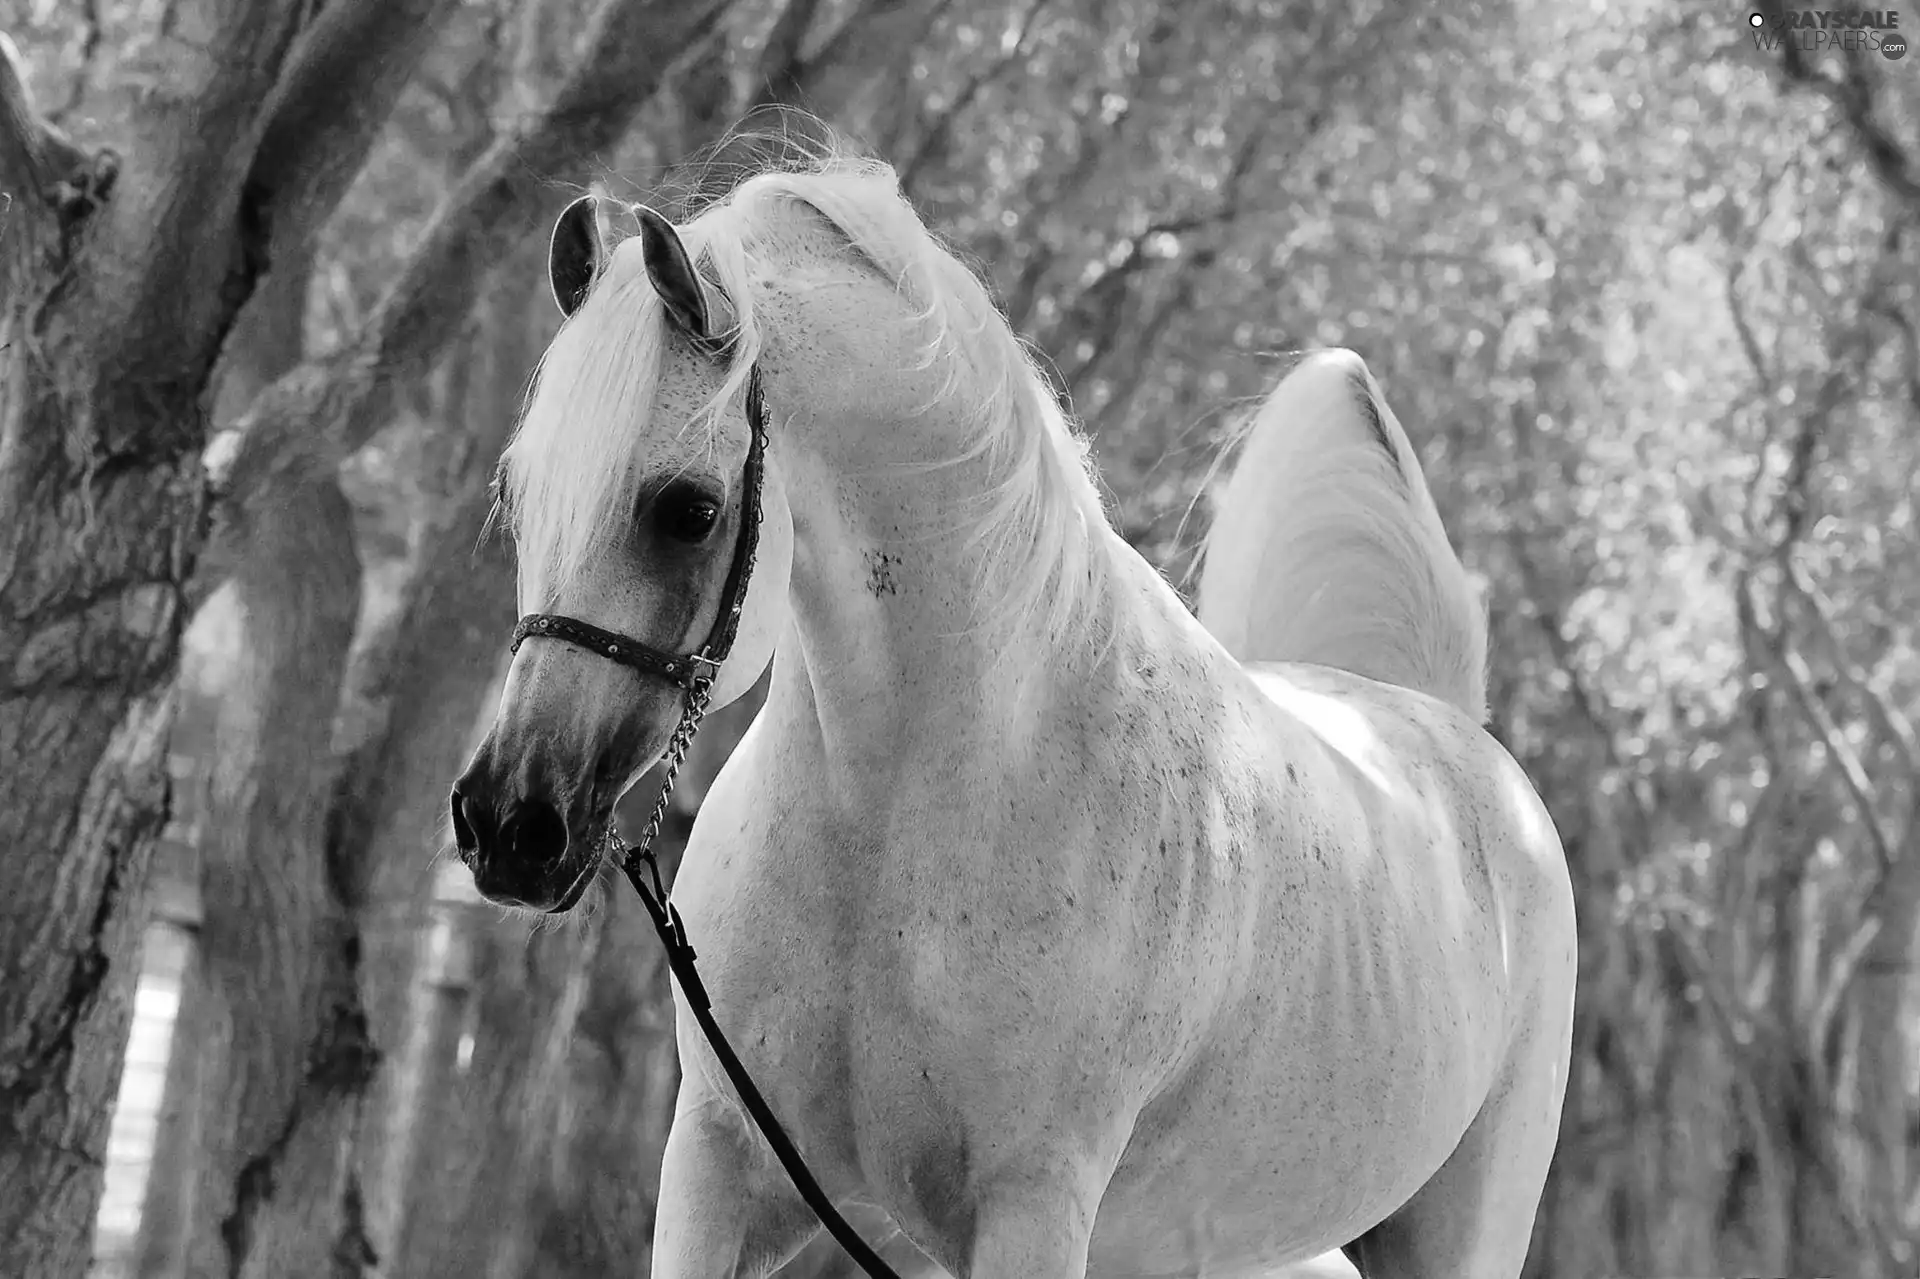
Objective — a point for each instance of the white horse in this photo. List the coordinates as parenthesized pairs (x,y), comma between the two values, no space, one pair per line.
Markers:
(1079,935)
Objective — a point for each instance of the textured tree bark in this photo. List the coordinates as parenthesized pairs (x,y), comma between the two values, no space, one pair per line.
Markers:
(109,341)
(325,409)
(282,1039)
(86,625)
(122,277)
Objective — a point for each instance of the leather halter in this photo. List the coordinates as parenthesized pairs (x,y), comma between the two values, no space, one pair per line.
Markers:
(687,669)
(694,674)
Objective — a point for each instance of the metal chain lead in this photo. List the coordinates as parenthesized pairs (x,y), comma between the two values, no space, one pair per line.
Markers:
(678,745)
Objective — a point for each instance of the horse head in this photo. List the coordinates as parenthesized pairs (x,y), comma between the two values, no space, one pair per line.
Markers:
(654,542)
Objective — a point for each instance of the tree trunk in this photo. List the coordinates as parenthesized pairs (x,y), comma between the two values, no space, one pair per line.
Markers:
(436,675)
(438,1048)
(166,1202)
(166,1209)
(314,415)
(120,276)
(276,939)
(166,1205)
(1885,1020)
(596,1208)
(478,1164)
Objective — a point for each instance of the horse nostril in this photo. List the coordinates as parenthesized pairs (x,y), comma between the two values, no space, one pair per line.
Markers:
(463,836)
(534,833)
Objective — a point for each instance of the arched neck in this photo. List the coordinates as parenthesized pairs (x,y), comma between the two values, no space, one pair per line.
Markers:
(894,652)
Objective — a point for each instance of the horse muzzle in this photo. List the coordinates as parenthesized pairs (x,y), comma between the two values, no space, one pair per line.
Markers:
(518,845)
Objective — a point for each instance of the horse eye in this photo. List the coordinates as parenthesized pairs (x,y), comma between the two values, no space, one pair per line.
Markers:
(686,516)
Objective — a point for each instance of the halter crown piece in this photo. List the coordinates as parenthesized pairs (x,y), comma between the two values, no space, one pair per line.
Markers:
(576,256)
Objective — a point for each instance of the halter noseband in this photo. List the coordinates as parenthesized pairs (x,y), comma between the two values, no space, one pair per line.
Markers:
(690,669)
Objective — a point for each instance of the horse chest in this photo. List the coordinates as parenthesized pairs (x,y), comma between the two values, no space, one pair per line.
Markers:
(907,1006)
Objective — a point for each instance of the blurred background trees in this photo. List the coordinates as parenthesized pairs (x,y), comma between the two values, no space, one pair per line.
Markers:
(1644,294)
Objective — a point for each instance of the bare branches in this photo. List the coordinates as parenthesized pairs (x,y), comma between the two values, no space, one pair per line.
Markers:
(1179,297)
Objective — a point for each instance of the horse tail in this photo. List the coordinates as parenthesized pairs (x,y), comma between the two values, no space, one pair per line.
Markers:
(1326,546)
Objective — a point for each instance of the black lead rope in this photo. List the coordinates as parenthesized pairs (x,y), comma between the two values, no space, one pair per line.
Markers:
(680,956)
(694,673)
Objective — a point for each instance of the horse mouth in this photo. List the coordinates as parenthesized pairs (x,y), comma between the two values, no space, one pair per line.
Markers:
(610,850)
(578,889)
(521,890)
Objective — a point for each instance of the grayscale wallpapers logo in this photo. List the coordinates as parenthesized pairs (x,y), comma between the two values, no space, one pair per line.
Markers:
(1831,30)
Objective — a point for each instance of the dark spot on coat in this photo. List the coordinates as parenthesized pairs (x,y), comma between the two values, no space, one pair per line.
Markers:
(880,566)
(1291,775)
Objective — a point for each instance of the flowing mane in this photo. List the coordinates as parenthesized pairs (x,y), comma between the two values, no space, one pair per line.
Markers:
(572,464)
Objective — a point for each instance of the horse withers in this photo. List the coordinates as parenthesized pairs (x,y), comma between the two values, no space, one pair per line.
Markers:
(1078,934)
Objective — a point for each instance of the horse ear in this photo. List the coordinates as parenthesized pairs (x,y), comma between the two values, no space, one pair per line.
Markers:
(671,270)
(575,254)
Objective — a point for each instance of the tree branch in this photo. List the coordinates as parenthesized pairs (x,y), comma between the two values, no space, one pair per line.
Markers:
(1909,347)
(1852,92)
(1897,727)
(876,32)
(319,413)
(178,249)
(348,72)
(938,136)
(1840,755)
(781,67)
(1090,148)
(632,47)
(1180,296)
(782,79)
